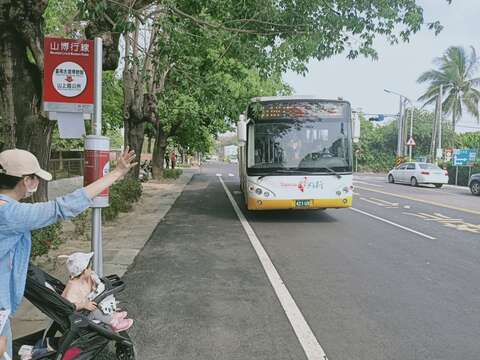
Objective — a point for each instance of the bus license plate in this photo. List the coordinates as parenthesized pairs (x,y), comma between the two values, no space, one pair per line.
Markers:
(303,203)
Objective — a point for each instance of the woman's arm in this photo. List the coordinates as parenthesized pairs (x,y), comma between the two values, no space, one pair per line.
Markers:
(26,217)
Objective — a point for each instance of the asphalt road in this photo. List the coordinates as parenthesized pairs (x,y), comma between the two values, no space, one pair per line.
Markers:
(396,277)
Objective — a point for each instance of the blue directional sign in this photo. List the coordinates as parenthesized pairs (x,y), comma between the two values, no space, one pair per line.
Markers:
(464,157)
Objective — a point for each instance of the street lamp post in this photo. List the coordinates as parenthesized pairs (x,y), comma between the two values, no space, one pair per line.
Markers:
(403,97)
(411,131)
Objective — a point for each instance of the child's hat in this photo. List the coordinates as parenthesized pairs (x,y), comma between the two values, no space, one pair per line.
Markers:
(78,262)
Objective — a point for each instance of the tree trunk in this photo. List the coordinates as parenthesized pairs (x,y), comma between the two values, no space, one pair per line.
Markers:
(454,120)
(22,125)
(149,145)
(158,157)
(134,135)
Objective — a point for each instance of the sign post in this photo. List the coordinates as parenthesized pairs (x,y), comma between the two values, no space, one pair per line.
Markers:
(73,87)
(410,144)
(97,247)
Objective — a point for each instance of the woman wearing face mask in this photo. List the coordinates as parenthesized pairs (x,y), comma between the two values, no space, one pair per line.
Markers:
(20,174)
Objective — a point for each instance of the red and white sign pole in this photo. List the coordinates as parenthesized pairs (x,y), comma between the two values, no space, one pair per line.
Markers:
(72,86)
(97,149)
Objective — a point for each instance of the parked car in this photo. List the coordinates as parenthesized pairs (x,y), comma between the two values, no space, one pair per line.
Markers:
(474,184)
(416,173)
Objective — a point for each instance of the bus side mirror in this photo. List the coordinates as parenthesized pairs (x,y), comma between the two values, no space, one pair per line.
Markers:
(242,130)
(355,128)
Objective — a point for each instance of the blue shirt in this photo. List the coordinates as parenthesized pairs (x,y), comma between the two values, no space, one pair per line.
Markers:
(17,220)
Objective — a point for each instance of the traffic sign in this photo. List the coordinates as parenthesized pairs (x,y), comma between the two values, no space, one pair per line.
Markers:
(464,157)
(411,142)
(68,84)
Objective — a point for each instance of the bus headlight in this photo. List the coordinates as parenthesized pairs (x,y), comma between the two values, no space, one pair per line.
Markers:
(251,188)
(266,194)
(258,191)
(345,189)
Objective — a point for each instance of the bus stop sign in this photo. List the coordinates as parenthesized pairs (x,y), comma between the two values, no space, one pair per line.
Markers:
(68,84)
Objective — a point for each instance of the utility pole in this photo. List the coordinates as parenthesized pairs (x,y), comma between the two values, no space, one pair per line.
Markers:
(403,123)
(433,145)
(400,129)
(440,100)
(410,147)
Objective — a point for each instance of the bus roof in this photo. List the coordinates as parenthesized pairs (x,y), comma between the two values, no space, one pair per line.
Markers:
(293,97)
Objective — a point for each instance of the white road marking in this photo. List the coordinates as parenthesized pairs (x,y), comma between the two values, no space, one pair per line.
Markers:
(416,215)
(219,175)
(366,183)
(307,339)
(392,223)
(372,202)
(440,215)
(230,174)
(470,211)
(385,202)
(449,222)
(406,206)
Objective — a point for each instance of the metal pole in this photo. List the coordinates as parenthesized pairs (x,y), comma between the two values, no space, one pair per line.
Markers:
(411,131)
(433,145)
(400,128)
(456,175)
(405,128)
(97,130)
(440,100)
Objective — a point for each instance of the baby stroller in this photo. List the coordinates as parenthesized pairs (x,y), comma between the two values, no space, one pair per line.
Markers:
(72,334)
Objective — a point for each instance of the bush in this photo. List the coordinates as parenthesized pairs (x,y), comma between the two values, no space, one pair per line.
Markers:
(122,196)
(172,173)
(463,172)
(46,239)
(82,224)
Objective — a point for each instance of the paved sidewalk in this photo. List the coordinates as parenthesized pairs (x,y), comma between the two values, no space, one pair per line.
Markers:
(122,241)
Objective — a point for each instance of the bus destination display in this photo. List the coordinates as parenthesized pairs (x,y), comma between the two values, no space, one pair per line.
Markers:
(297,110)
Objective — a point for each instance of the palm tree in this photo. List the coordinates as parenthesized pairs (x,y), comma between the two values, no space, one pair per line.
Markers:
(456,74)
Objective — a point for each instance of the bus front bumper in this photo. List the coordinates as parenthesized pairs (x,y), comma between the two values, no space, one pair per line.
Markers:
(258,204)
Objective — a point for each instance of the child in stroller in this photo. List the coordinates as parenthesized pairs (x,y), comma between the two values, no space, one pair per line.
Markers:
(72,335)
(84,285)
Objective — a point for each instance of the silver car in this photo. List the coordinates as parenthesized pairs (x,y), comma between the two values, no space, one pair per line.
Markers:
(415,173)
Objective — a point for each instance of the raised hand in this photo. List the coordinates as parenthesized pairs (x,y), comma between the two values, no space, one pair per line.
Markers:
(125,161)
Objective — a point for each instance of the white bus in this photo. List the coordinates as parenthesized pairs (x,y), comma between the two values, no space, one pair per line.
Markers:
(296,153)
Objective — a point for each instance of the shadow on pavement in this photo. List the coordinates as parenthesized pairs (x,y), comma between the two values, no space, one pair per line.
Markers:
(292,216)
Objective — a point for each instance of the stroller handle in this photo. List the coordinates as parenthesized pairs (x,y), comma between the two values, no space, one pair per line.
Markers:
(113,285)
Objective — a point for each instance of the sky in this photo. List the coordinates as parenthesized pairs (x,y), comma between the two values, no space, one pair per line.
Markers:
(362,81)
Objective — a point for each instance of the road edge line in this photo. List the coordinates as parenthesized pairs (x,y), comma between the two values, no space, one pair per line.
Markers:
(421,200)
(312,348)
(393,223)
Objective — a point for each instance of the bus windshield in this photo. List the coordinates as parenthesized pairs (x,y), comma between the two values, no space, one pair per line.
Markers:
(317,143)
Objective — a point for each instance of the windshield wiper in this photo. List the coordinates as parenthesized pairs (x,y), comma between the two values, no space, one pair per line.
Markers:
(333,172)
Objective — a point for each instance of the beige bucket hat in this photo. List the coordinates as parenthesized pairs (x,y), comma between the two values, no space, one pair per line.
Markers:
(16,162)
